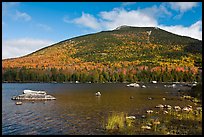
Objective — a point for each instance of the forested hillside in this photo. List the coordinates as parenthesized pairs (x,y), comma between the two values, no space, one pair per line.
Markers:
(124,54)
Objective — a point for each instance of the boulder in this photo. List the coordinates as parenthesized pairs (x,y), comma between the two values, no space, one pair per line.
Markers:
(133,85)
(33,95)
(98,93)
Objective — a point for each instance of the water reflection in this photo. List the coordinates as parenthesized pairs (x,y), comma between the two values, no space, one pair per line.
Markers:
(77,110)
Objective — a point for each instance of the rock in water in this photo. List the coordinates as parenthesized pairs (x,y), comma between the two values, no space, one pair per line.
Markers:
(33,92)
(133,85)
(131,97)
(130,117)
(98,93)
(33,95)
(154,82)
(18,103)
(143,86)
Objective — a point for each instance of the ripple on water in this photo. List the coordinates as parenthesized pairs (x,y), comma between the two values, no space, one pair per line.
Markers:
(12,129)
(77,111)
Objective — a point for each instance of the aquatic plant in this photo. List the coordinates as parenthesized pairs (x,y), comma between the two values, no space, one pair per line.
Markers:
(119,122)
(178,120)
(115,121)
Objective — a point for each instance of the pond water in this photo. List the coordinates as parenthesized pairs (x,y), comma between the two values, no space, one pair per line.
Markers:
(76,109)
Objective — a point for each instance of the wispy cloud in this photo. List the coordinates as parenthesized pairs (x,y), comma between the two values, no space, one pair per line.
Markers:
(7,6)
(128,3)
(156,11)
(67,20)
(44,27)
(9,9)
(22,16)
(10,4)
(182,6)
(3,23)
(20,47)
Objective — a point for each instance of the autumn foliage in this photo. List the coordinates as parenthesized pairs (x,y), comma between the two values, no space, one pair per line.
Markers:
(120,55)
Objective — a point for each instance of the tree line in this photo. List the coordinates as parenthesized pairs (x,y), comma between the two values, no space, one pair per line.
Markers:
(97,75)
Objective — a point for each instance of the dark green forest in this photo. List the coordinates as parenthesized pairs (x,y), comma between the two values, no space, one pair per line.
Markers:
(96,76)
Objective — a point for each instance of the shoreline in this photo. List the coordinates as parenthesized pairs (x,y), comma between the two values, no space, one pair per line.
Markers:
(71,82)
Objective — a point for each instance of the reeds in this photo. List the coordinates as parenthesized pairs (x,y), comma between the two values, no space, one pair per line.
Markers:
(176,121)
(119,122)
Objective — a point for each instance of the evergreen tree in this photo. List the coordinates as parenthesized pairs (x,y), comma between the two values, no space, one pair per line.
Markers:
(122,77)
(95,77)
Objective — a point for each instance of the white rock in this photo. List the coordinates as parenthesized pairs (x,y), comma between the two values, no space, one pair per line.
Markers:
(33,92)
(189,106)
(18,103)
(154,82)
(143,86)
(130,117)
(165,86)
(177,107)
(146,127)
(98,93)
(187,109)
(149,111)
(160,106)
(166,112)
(193,85)
(133,85)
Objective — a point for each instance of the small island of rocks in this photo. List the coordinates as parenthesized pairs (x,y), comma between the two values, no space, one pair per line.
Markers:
(33,95)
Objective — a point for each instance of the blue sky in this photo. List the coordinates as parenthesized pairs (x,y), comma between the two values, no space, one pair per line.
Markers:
(29,26)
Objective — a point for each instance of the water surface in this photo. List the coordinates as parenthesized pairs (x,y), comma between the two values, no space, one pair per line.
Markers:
(77,110)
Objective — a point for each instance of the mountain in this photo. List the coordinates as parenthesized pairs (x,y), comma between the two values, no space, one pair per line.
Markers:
(123,47)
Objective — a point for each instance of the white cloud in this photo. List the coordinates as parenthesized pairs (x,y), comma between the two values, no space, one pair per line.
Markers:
(7,6)
(182,6)
(194,31)
(44,27)
(22,16)
(156,11)
(88,21)
(128,3)
(19,47)
(66,19)
(9,10)
(146,17)
(10,4)
(118,17)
